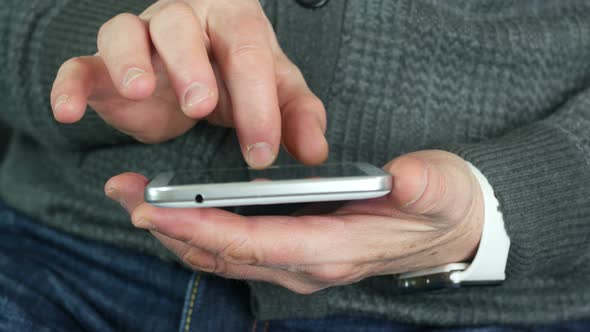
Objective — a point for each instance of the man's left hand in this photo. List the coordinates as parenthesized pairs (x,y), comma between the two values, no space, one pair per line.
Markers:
(433,216)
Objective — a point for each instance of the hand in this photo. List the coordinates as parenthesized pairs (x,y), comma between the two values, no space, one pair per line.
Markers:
(155,75)
(433,216)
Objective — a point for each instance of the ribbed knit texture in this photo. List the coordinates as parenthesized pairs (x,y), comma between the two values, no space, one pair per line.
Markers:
(503,83)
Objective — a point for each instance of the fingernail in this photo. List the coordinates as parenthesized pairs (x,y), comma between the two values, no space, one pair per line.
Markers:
(424,181)
(260,155)
(131,75)
(61,100)
(145,224)
(195,94)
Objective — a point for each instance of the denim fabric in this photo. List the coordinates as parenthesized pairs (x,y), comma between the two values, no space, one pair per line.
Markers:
(52,281)
(216,304)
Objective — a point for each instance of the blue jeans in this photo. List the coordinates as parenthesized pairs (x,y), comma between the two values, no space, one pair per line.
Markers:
(52,281)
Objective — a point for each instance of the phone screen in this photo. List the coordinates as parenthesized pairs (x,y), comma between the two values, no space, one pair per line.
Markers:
(288,172)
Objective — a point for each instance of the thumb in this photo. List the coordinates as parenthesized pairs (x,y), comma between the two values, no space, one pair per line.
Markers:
(127,189)
(433,183)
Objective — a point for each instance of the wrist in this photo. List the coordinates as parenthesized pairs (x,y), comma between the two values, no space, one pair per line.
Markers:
(474,222)
(467,233)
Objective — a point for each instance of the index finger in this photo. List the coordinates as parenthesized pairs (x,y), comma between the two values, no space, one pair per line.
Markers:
(242,49)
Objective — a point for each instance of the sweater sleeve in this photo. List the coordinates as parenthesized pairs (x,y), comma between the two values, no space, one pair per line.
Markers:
(541,176)
(37,37)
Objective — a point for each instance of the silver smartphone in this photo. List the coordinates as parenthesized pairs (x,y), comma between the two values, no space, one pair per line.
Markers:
(274,185)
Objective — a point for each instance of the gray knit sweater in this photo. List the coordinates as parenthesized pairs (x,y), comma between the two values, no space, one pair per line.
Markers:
(503,83)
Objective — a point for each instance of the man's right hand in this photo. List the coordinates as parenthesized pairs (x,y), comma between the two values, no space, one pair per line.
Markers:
(157,74)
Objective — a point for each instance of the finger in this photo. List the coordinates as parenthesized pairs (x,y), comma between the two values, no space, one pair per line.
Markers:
(154,120)
(188,225)
(433,183)
(202,260)
(303,115)
(185,57)
(223,115)
(282,241)
(74,82)
(85,80)
(124,44)
(240,43)
(127,189)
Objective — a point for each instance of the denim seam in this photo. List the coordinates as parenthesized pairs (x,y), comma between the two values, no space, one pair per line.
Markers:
(189,302)
(264,327)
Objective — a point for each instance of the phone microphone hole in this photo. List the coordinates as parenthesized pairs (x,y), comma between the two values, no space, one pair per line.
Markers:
(199,198)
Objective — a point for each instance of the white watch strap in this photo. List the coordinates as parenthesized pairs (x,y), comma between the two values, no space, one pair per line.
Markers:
(490,260)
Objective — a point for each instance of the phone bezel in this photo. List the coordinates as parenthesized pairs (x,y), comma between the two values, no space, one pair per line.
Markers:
(374,183)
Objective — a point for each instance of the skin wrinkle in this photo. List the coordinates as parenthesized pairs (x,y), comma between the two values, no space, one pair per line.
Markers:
(425,178)
(234,252)
(473,217)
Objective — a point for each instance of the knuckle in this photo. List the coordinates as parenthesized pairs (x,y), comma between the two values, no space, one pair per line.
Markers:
(330,274)
(240,251)
(241,6)
(170,16)
(250,21)
(111,46)
(114,25)
(287,69)
(123,19)
(72,64)
(102,32)
(247,44)
(314,103)
(175,8)
(303,288)
(192,258)
(242,57)
(218,267)
(196,259)
(68,68)
(244,48)
(310,104)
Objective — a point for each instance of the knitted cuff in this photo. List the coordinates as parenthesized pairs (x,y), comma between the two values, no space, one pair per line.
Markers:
(542,183)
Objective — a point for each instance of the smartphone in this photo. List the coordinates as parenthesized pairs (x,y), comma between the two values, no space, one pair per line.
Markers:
(274,185)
